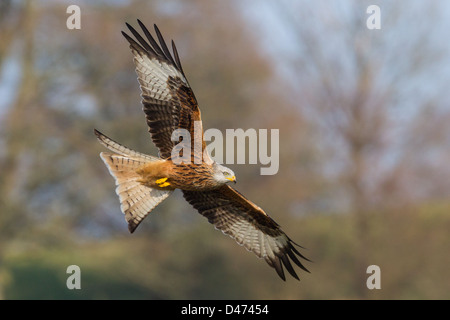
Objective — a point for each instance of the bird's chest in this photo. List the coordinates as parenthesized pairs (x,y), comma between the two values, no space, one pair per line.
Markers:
(193,177)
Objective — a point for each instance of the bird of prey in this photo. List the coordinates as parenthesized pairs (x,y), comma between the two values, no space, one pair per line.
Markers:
(144,181)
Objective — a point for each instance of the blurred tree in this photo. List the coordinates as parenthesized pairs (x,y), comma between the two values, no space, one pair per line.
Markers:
(355,84)
(13,158)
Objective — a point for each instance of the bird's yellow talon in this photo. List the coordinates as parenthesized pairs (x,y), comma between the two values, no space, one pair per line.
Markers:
(160,181)
(165,184)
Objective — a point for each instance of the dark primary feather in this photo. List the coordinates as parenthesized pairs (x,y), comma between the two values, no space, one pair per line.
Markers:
(177,58)
(150,38)
(159,51)
(164,46)
(236,216)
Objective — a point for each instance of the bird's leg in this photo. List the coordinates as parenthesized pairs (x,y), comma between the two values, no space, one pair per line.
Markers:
(162,182)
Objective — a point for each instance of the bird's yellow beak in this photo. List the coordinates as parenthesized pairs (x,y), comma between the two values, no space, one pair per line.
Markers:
(233,179)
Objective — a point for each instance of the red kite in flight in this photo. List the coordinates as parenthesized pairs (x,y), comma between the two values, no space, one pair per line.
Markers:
(144,181)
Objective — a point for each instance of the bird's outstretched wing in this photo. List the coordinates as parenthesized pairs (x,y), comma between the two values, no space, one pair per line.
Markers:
(168,101)
(236,216)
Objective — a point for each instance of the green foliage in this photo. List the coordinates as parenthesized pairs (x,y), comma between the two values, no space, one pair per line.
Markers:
(201,263)
(186,267)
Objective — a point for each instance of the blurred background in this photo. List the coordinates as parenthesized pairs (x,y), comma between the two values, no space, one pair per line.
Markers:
(364,173)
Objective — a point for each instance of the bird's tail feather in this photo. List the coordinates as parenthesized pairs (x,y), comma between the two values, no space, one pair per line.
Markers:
(136,199)
(120,149)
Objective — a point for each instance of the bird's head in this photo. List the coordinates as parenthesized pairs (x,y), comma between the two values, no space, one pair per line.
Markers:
(223,174)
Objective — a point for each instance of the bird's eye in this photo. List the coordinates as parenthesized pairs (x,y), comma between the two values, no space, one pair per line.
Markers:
(226,174)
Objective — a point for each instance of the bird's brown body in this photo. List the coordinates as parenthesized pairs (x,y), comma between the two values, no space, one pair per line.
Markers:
(172,176)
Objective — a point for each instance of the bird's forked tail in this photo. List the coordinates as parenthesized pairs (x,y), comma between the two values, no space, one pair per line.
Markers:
(136,199)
